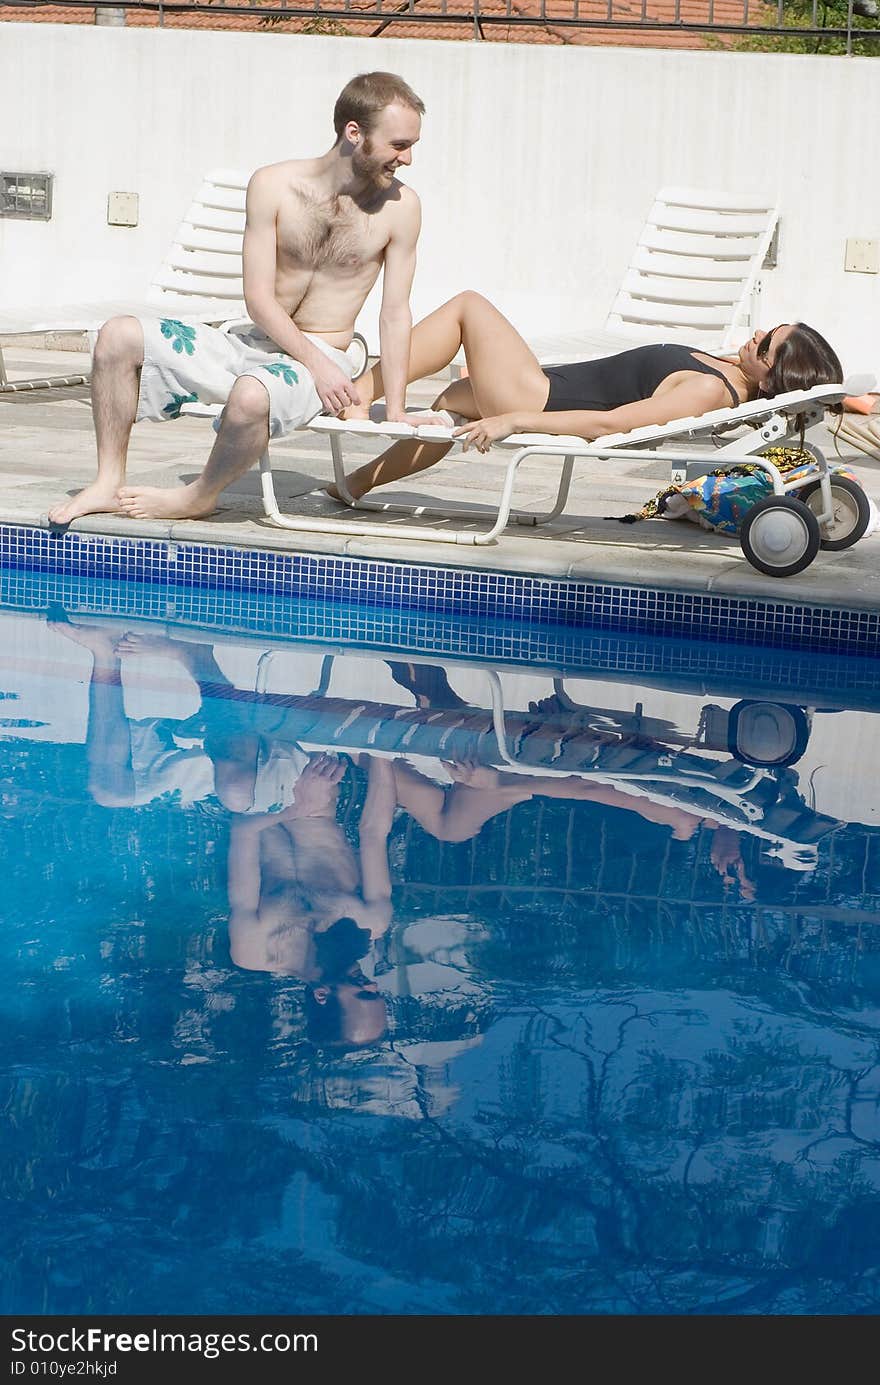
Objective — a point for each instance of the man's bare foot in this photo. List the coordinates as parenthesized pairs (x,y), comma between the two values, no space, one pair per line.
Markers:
(99,641)
(163,502)
(96,499)
(134,642)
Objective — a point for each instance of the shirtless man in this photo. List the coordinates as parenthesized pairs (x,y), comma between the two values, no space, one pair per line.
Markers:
(304,904)
(317,233)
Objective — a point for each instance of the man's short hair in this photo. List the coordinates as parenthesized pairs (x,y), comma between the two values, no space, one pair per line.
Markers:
(366,96)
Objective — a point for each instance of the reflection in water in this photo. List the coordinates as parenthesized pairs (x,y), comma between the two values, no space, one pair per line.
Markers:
(453,992)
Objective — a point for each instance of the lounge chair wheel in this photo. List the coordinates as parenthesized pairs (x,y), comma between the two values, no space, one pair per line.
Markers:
(361,341)
(851,510)
(767,734)
(780,536)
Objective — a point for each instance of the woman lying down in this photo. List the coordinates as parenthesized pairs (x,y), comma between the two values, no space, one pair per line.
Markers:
(508,391)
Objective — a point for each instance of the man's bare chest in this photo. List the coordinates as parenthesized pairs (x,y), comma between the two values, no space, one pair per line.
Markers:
(336,236)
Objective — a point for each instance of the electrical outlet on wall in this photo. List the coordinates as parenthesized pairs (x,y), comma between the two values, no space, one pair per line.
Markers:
(862,256)
(122,209)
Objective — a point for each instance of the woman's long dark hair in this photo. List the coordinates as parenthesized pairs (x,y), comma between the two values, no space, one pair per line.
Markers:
(803,359)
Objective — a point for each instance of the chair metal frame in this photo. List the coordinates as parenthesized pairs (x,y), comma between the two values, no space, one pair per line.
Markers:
(772,420)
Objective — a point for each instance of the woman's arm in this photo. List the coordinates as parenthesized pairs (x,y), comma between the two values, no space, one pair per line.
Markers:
(696,395)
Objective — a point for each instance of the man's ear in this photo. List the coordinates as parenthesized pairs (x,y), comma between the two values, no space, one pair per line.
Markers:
(353,132)
(321,994)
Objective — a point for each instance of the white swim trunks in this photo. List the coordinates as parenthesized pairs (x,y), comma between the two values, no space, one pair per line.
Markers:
(279,767)
(189,363)
(162,765)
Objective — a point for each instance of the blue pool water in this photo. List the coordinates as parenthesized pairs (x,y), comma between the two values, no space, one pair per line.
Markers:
(602,1035)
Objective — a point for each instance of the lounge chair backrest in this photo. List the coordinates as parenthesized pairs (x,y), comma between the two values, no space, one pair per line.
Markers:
(203,266)
(695,273)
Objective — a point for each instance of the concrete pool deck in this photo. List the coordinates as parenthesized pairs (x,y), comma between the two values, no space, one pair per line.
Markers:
(47,451)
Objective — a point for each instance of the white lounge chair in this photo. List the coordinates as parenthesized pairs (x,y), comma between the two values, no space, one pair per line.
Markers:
(862,431)
(784,534)
(695,277)
(199,279)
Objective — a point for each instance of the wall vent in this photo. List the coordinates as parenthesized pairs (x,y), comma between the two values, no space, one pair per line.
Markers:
(26,196)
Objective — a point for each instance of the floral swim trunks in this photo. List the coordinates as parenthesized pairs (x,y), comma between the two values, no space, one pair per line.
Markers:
(189,363)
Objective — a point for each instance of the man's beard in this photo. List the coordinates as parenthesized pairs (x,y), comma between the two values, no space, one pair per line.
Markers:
(368,167)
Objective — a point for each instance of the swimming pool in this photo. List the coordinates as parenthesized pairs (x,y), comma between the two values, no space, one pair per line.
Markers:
(612,1046)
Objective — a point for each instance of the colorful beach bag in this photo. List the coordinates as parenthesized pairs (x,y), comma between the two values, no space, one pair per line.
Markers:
(721,500)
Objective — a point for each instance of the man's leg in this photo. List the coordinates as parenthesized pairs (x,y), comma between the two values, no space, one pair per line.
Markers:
(116,364)
(241,440)
(108,735)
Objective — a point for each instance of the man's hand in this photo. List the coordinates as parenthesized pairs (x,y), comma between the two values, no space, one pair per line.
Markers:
(484,431)
(317,789)
(334,388)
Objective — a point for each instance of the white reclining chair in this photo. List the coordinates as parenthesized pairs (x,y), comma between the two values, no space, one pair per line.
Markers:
(784,532)
(199,279)
(695,277)
(863,432)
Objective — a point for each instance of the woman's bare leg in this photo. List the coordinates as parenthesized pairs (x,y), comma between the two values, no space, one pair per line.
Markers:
(503,374)
(456,815)
(502,370)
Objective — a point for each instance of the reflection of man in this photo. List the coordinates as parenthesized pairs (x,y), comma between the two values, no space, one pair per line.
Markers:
(317,234)
(130,761)
(230,748)
(302,903)
(344,1007)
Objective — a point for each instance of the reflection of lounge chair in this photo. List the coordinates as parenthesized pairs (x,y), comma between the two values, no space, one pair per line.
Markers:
(694,277)
(756,731)
(761,801)
(199,280)
(759,424)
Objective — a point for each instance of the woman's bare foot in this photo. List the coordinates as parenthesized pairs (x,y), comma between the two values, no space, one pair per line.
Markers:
(96,499)
(473,776)
(354,492)
(356,411)
(164,502)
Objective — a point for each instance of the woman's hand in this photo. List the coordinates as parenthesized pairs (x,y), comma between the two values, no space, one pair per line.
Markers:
(472,775)
(484,431)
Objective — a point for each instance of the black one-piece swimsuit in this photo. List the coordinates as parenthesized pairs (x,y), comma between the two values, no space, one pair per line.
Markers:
(611,381)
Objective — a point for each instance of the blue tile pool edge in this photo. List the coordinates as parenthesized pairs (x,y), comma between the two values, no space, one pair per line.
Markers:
(521,599)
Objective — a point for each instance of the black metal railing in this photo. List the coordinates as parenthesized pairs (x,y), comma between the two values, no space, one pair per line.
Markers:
(813,25)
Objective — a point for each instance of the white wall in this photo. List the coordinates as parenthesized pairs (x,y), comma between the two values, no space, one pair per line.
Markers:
(536,166)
